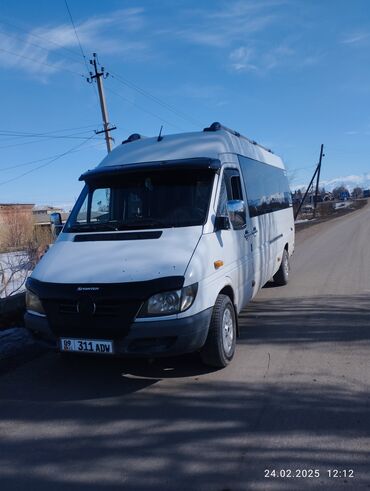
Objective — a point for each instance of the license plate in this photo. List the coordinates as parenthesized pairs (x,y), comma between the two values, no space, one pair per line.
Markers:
(99,346)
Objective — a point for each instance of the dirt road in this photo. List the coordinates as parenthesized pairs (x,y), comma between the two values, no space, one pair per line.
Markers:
(294,402)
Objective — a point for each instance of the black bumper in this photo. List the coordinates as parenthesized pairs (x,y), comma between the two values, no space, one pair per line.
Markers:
(150,338)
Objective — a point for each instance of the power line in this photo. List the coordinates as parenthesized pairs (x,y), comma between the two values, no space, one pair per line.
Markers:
(145,110)
(41,62)
(47,163)
(11,133)
(164,104)
(46,135)
(24,164)
(81,49)
(78,39)
(19,144)
(40,37)
(34,44)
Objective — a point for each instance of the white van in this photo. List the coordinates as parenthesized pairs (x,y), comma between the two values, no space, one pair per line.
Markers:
(170,238)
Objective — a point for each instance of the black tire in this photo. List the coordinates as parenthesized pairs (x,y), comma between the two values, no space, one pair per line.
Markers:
(219,347)
(281,277)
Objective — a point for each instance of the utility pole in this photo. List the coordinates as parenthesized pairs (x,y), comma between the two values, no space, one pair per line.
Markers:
(316,173)
(99,76)
(318,179)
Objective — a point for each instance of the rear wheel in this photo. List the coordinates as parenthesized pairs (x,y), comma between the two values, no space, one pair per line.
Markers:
(219,348)
(281,277)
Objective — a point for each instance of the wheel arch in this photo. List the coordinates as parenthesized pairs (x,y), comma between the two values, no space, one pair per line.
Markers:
(228,290)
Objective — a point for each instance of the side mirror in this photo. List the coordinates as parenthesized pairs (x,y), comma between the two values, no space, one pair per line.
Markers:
(56,224)
(222,223)
(56,219)
(237,213)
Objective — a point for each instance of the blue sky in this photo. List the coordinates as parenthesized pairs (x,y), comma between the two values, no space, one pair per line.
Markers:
(291,74)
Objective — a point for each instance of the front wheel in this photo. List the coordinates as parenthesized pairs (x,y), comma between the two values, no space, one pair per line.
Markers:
(281,277)
(219,348)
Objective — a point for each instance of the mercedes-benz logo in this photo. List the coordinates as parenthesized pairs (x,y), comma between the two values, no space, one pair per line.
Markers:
(86,306)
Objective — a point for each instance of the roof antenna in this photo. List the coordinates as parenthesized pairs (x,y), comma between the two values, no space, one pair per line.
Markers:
(160,137)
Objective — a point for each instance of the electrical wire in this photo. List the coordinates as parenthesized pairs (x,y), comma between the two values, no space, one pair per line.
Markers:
(57,67)
(82,52)
(78,39)
(164,104)
(34,44)
(46,164)
(12,134)
(68,137)
(145,110)
(2,21)
(24,164)
(56,44)
(53,131)
(45,135)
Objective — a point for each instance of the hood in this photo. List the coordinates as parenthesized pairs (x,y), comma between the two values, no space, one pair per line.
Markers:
(118,261)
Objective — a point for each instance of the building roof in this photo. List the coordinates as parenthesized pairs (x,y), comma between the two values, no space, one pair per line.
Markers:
(17,204)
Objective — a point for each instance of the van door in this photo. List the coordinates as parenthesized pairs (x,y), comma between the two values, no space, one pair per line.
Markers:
(251,235)
(245,272)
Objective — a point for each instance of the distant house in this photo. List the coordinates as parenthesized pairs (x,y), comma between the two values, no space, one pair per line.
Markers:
(13,209)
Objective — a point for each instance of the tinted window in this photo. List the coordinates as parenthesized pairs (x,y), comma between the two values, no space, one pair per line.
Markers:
(267,187)
(236,188)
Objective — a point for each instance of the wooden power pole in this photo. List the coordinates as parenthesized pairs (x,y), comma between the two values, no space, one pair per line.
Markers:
(99,76)
(317,175)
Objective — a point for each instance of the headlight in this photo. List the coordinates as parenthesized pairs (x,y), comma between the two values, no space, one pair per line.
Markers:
(167,303)
(33,304)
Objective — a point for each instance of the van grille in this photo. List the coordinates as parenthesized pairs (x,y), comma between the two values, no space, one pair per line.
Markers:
(103,308)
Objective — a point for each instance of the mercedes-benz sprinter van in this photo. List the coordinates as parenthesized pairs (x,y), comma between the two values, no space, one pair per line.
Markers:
(170,238)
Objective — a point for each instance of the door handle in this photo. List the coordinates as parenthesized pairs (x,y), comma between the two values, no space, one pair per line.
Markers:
(250,234)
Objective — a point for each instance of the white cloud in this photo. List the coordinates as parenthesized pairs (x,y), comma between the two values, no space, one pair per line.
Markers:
(356,38)
(238,26)
(222,27)
(351,179)
(40,52)
(241,59)
(250,59)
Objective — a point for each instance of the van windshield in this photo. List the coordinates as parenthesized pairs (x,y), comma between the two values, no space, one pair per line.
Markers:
(143,200)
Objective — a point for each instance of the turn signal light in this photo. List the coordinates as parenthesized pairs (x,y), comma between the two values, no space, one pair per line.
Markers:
(218,264)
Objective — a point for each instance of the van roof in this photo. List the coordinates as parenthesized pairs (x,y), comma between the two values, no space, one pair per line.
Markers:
(203,144)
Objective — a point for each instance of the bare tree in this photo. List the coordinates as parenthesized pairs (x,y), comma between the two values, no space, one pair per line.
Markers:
(16,229)
(357,193)
(340,191)
(15,267)
(21,247)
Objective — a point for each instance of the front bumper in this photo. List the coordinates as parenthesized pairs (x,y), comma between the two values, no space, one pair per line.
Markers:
(149,338)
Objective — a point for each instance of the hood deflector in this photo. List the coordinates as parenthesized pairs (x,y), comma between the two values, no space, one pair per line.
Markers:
(183,164)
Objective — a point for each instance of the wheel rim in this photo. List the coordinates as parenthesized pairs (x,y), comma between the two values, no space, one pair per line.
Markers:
(227,331)
(286,267)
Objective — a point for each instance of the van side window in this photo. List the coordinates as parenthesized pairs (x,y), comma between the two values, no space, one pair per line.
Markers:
(230,189)
(222,199)
(267,187)
(236,189)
